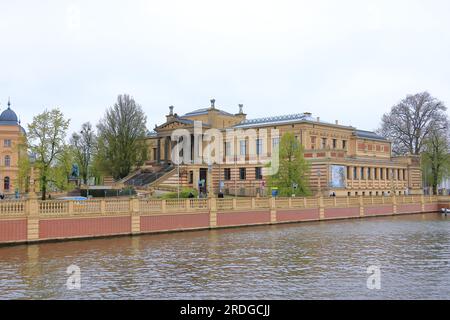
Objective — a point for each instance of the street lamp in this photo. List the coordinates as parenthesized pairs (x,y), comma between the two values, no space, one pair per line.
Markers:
(87,133)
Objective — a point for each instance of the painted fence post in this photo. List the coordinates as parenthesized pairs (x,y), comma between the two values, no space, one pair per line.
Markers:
(135,216)
(212,212)
(361,206)
(32,219)
(321,208)
(102,206)
(273,210)
(70,207)
(394,204)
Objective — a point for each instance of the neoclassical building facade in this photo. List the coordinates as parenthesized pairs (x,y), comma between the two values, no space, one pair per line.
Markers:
(11,136)
(343,160)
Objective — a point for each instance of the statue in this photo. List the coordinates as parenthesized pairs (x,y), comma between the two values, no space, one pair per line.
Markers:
(75,173)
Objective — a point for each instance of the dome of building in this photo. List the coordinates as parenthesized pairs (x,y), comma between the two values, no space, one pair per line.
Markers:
(9,116)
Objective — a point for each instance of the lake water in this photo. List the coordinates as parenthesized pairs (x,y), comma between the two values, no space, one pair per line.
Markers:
(323,260)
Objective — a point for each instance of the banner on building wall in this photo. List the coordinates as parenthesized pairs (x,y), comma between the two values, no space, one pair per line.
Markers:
(337,176)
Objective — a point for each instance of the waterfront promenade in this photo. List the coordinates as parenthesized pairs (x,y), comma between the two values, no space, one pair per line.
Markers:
(34,220)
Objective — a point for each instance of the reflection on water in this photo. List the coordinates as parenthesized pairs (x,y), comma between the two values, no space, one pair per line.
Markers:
(325,260)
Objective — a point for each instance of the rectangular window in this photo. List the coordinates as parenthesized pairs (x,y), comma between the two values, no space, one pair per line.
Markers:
(362,173)
(242,173)
(313,143)
(259,146)
(258,173)
(369,176)
(355,174)
(275,142)
(344,144)
(375,173)
(243,147)
(324,143)
(334,144)
(227,174)
(191,177)
(382,174)
(227,149)
(7,143)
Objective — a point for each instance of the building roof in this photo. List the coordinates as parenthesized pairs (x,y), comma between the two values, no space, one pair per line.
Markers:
(203,111)
(152,133)
(291,118)
(8,117)
(369,135)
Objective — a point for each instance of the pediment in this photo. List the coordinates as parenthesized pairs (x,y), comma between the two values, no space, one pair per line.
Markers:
(174,124)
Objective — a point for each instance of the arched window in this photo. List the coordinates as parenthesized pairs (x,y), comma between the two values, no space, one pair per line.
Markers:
(6,184)
(7,161)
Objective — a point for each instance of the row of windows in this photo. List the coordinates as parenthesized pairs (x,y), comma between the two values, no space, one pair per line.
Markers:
(376,173)
(242,173)
(324,143)
(276,141)
(376,193)
(7,143)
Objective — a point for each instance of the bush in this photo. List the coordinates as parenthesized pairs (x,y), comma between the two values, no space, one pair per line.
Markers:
(184,194)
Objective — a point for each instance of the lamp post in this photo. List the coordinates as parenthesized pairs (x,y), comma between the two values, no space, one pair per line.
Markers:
(178,167)
(86,132)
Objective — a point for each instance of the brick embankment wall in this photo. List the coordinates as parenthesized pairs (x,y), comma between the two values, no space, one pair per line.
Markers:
(34,220)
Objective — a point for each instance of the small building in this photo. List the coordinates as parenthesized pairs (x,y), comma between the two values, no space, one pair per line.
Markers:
(12,135)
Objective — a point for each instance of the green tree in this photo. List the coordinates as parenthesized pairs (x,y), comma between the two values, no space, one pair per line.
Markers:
(24,166)
(121,138)
(293,171)
(436,158)
(46,137)
(61,170)
(410,122)
(83,145)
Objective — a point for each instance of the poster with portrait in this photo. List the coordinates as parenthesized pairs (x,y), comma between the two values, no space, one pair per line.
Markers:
(337,176)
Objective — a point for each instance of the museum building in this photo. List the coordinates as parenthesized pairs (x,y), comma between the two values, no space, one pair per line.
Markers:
(344,160)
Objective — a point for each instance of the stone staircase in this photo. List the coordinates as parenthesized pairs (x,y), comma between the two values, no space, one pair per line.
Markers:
(149,176)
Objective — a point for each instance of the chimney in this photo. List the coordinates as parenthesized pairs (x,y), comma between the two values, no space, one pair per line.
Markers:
(241,110)
(318,119)
(337,122)
(171,111)
(213,101)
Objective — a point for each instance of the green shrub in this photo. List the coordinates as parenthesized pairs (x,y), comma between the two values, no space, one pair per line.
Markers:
(184,194)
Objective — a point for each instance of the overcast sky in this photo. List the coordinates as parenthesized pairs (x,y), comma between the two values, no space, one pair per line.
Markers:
(346,60)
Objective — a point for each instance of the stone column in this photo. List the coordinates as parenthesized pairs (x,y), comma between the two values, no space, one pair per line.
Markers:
(212,212)
(135,217)
(273,210)
(158,151)
(32,219)
(196,177)
(321,208)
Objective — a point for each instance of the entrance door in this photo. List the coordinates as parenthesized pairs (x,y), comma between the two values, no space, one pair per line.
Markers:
(203,177)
